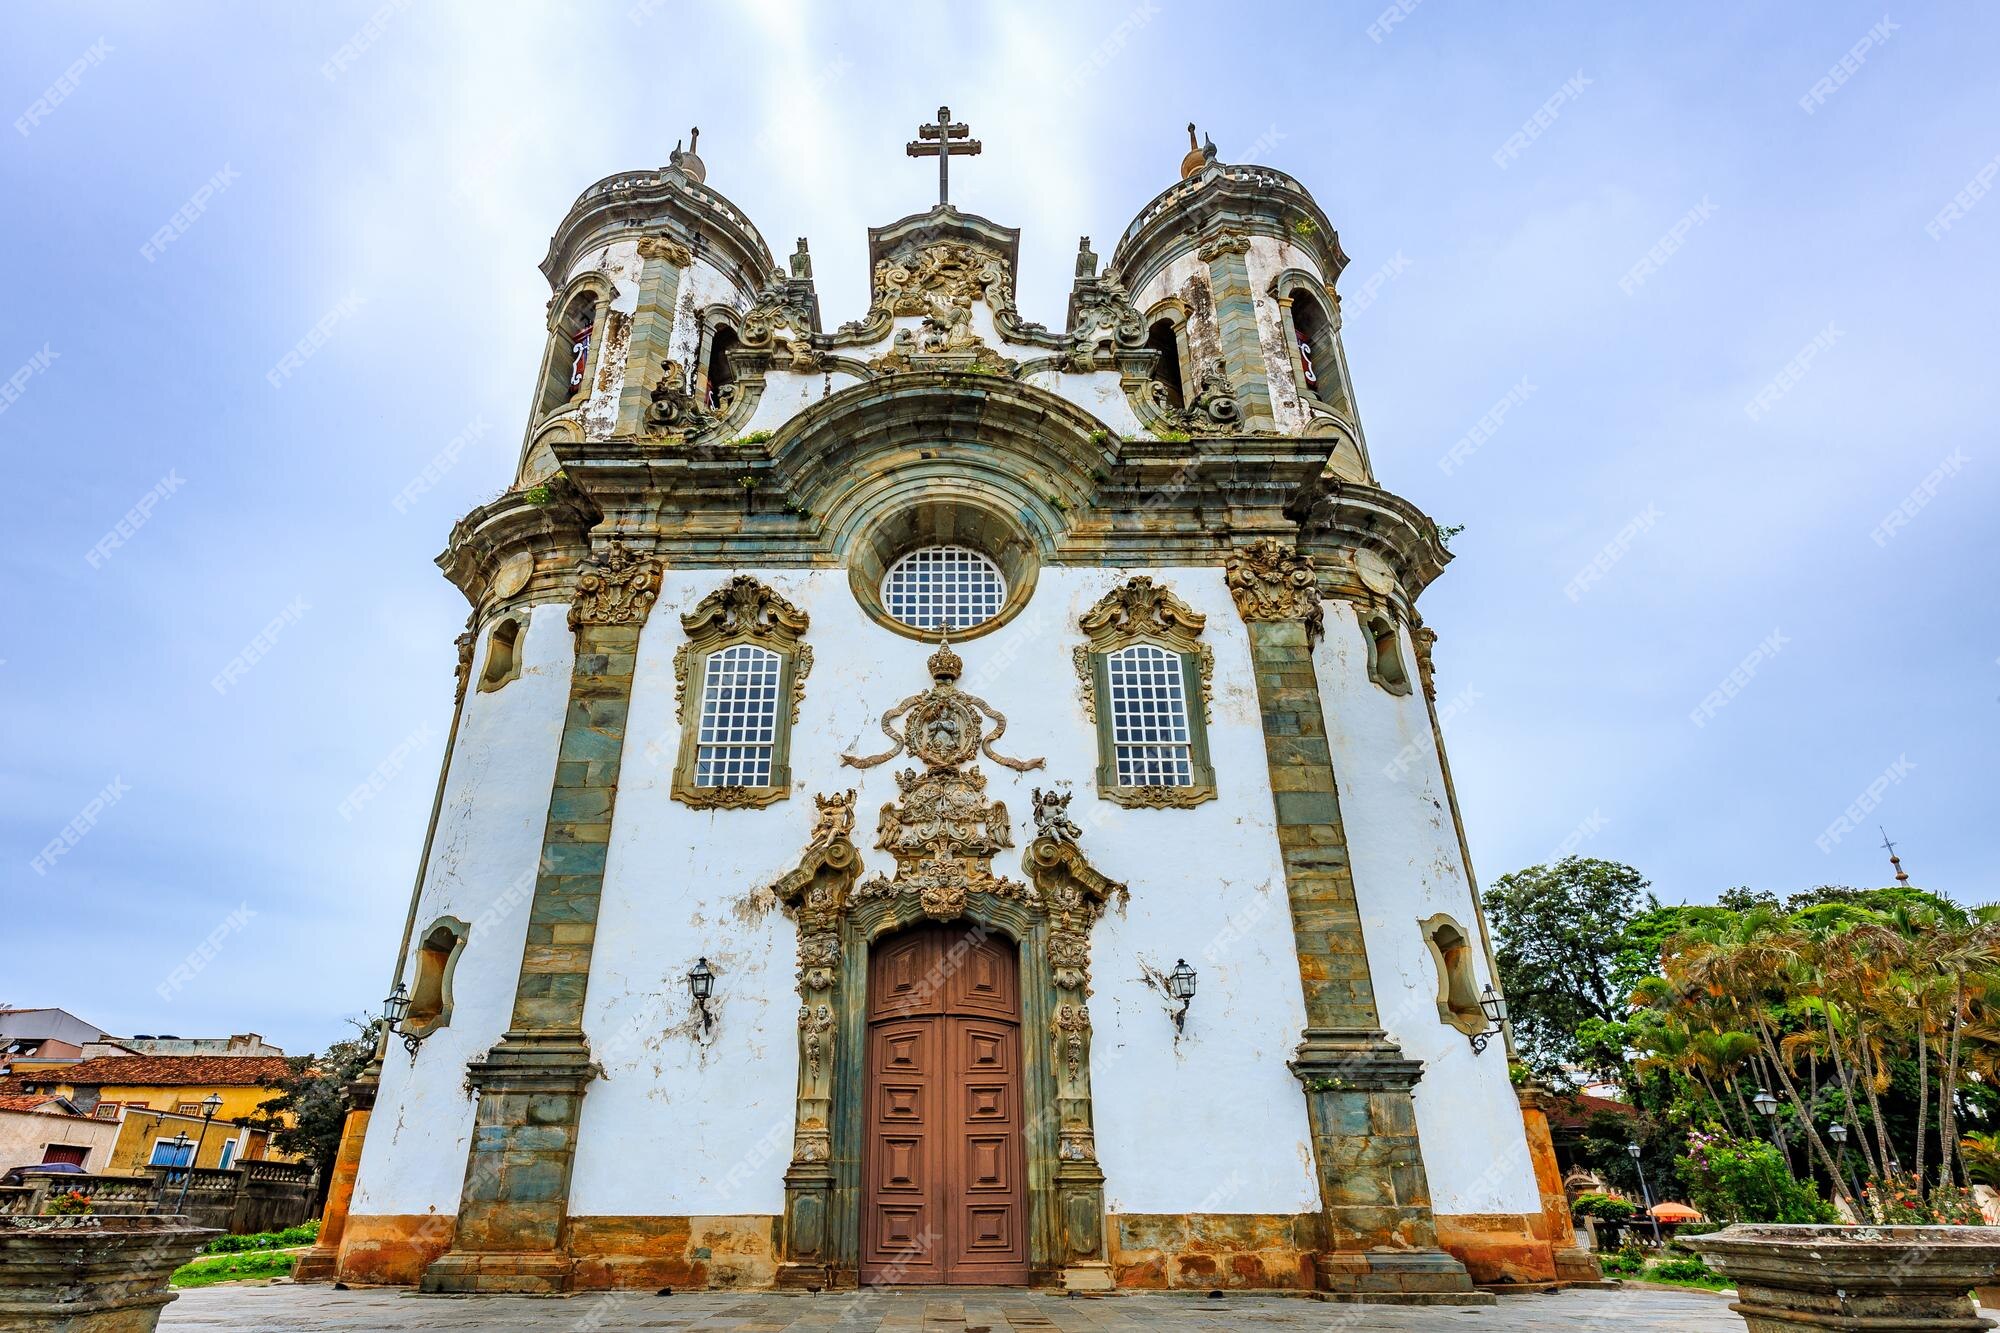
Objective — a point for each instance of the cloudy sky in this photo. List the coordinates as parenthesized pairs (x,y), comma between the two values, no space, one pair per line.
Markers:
(1729,527)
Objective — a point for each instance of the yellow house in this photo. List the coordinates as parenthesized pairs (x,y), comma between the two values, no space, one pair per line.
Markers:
(158,1098)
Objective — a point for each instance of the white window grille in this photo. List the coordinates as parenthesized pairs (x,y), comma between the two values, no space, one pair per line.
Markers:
(943,588)
(739,717)
(1149,718)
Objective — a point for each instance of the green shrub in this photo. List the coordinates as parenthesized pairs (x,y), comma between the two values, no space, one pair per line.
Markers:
(1602,1207)
(1620,1264)
(1687,1269)
(304,1234)
(235,1268)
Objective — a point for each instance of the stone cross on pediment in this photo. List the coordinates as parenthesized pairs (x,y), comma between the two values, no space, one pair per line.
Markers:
(944,140)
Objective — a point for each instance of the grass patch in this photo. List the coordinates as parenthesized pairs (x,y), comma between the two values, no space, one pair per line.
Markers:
(244,1267)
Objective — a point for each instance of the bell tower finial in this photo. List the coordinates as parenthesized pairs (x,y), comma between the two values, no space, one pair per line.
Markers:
(1194,159)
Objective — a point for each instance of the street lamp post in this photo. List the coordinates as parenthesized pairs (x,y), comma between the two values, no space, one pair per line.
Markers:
(209,1106)
(1645,1191)
(1767,1106)
(1837,1131)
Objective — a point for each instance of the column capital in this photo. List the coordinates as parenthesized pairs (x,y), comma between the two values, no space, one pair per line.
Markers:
(1270,581)
(614,587)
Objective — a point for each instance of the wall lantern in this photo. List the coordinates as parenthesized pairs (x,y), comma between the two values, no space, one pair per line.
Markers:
(701,985)
(1766,1104)
(394,1010)
(1494,1005)
(1180,985)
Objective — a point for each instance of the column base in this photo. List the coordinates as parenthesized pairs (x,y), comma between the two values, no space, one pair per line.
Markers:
(534,1273)
(1579,1268)
(1087,1277)
(316,1265)
(1397,1277)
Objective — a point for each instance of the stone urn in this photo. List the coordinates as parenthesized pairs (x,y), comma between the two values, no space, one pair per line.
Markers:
(1883,1279)
(91,1274)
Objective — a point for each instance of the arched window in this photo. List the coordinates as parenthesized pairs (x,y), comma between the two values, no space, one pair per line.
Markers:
(1145,673)
(1385,654)
(943,588)
(1315,345)
(1162,338)
(718,374)
(503,657)
(574,335)
(437,959)
(738,735)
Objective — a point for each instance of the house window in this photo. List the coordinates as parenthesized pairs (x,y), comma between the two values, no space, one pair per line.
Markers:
(71,1154)
(503,659)
(107,1110)
(169,1152)
(437,959)
(1145,673)
(187,1108)
(740,680)
(739,717)
(228,1154)
(943,588)
(1150,739)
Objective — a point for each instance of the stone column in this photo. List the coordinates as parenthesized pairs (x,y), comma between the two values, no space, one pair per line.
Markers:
(1236,322)
(1379,1239)
(513,1211)
(321,1262)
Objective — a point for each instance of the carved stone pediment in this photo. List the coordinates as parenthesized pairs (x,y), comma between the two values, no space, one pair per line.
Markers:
(744,610)
(614,587)
(672,409)
(926,279)
(1139,610)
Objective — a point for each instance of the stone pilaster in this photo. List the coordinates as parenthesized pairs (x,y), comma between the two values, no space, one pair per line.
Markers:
(1574,1265)
(514,1206)
(320,1263)
(662,261)
(1380,1240)
(1236,324)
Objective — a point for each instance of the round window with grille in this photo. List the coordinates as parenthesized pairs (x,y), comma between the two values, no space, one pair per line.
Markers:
(943,588)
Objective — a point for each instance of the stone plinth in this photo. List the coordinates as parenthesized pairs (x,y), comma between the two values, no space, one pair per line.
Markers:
(1886,1279)
(91,1274)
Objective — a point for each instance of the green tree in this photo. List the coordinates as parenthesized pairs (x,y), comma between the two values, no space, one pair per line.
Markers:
(314,1093)
(1560,940)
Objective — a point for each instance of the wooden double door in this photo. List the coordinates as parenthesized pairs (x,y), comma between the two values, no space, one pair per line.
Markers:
(944,1162)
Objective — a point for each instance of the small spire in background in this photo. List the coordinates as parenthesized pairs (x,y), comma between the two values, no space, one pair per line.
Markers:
(1902,876)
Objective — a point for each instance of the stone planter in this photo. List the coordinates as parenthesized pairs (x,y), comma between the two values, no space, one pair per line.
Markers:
(1883,1279)
(91,1274)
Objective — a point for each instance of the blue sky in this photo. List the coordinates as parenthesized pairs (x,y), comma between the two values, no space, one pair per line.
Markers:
(390,175)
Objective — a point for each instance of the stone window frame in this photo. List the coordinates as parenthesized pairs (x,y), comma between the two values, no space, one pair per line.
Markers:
(599,286)
(1456,970)
(425,967)
(495,672)
(1139,611)
(944,521)
(1386,667)
(742,611)
(713,320)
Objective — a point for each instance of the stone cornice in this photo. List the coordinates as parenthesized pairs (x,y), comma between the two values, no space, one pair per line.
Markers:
(1222,198)
(554,518)
(667,205)
(1338,519)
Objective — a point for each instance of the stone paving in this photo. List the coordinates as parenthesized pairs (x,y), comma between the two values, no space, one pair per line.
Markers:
(317,1308)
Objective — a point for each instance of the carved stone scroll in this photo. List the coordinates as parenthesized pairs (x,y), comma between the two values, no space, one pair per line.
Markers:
(614,587)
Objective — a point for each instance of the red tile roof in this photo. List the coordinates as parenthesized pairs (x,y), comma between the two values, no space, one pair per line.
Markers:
(1575,1110)
(167,1071)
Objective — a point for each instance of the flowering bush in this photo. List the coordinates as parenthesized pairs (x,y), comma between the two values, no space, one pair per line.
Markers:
(1900,1200)
(71,1204)
(1747,1180)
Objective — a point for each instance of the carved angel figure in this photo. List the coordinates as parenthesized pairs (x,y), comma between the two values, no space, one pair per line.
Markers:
(1052,819)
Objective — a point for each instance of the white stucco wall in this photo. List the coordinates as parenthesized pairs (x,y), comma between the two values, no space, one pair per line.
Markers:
(1212,1122)
(489,838)
(25,1137)
(1408,866)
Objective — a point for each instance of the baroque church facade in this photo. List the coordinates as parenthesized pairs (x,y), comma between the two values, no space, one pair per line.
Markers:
(946,799)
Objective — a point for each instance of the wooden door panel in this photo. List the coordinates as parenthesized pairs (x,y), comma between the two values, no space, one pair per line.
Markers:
(944,1162)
